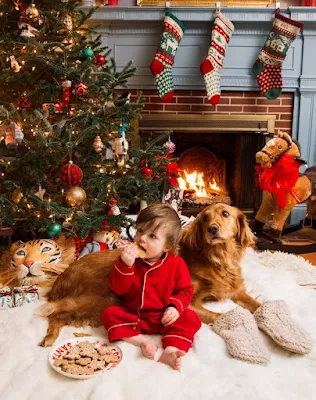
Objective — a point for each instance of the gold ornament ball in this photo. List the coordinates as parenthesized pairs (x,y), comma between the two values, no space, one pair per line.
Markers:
(16,195)
(76,196)
(32,12)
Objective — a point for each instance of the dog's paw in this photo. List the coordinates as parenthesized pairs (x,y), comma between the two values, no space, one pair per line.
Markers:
(48,341)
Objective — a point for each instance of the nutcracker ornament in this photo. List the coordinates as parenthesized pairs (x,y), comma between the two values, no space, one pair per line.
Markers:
(120,147)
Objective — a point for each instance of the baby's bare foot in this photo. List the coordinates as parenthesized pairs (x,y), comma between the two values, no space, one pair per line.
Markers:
(172,358)
(149,350)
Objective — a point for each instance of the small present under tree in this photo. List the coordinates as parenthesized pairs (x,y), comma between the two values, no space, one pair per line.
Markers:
(61,108)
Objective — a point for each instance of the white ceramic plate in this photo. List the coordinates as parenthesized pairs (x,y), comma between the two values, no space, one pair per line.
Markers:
(62,348)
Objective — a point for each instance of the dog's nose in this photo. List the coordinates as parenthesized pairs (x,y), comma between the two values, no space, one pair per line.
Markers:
(213,229)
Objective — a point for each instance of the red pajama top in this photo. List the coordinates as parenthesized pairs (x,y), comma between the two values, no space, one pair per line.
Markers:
(149,288)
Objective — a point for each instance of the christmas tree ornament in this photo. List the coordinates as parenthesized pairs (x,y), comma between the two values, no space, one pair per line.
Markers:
(40,193)
(10,142)
(24,102)
(70,174)
(16,195)
(52,108)
(67,22)
(76,196)
(14,64)
(211,67)
(114,209)
(120,148)
(99,60)
(30,18)
(147,172)
(27,30)
(23,50)
(98,145)
(161,66)
(268,66)
(66,93)
(54,230)
(32,14)
(87,53)
(11,133)
(169,146)
(80,88)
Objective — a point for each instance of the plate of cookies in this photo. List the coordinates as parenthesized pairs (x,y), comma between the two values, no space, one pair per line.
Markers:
(84,357)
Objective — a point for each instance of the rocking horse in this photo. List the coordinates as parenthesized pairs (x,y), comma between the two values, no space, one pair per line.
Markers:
(284,187)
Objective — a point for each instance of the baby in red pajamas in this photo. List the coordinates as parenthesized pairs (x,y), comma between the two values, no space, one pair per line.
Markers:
(155,290)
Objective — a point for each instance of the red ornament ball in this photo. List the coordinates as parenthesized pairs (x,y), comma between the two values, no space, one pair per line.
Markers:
(147,172)
(24,102)
(70,174)
(99,60)
(80,88)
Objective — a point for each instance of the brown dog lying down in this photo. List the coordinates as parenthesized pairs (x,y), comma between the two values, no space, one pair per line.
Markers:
(80,294)
(212,245)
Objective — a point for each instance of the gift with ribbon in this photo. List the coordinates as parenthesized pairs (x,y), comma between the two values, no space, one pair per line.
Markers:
(18,296)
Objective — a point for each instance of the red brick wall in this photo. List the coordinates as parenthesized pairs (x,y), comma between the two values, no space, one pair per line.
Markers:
(195,102)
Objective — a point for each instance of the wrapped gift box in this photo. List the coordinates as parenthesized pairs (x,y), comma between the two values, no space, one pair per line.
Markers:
(18,296)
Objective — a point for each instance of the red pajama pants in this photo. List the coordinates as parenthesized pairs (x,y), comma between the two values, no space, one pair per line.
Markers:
(121,323)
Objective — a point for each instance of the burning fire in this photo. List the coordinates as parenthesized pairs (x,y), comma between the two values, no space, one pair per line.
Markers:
(195,181)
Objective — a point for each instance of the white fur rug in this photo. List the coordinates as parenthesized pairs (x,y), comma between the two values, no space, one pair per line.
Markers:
(208,371)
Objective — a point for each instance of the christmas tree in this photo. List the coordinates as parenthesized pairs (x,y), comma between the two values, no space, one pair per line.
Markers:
(63,113)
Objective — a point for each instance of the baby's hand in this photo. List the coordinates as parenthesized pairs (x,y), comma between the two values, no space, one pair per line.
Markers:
(129,254)
(170,316)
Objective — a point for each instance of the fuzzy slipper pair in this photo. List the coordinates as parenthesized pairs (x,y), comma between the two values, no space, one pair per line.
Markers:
(239,329)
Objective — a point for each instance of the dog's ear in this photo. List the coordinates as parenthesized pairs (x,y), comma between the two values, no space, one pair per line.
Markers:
(244,236)
(193,235)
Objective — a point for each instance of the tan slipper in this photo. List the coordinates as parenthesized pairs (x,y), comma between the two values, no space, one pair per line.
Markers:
(239,330)
(275,319)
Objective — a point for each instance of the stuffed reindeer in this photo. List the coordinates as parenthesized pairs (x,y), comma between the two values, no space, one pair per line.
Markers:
(284,187)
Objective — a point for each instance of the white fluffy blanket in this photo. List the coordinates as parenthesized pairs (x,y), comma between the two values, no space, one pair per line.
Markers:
(208,371)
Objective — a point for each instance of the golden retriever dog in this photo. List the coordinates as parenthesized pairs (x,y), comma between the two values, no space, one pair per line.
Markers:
(80,294)
(212,246)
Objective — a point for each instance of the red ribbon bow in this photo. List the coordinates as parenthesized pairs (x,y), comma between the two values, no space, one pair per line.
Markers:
(279,179)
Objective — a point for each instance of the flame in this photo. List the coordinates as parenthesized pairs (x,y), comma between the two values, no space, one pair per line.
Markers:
(214,186)
(195,181)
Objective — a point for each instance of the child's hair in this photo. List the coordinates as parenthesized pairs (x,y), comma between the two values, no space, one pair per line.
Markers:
(158,215)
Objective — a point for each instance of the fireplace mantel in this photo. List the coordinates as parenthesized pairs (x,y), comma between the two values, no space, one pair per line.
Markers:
(133,34)
(262,124)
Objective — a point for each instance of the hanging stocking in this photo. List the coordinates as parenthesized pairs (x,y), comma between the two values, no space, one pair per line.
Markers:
(268,66)
(161,66)
(212,65)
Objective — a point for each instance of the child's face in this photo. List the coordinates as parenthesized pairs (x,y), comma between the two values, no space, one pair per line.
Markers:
(153,242)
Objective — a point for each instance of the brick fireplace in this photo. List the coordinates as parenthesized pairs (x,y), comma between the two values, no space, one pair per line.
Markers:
(219,145)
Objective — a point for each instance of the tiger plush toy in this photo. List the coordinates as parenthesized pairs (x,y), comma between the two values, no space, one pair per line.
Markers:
(35,262)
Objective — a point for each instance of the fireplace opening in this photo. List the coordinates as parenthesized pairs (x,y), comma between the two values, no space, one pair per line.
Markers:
(216,155)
